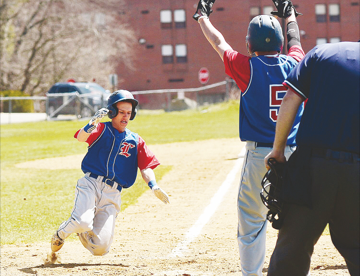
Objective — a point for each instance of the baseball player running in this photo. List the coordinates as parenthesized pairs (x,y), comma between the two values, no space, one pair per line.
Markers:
(110,165)
(259,77)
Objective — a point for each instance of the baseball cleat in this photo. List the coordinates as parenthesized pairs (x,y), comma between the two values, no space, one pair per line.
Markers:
(56,243)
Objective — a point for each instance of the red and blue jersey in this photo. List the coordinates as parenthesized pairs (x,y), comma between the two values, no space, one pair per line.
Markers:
(117,156)
(260,80)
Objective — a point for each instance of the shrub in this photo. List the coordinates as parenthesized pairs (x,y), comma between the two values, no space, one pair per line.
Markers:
(16,105)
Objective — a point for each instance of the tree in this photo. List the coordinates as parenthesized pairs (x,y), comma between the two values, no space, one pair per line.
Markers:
(46,41)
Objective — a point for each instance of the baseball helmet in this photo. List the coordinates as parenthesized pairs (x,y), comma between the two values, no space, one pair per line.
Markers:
(121,96)
(264,34)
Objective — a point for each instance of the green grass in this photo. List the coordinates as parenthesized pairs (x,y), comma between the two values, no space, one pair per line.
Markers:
(35,201)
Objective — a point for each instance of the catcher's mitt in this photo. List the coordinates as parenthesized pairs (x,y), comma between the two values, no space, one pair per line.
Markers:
(271,192)
(284,8)
(203,8)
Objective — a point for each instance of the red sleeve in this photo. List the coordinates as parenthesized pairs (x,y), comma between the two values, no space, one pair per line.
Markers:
(237,66)
(146,159)
(296,52)
(94,135)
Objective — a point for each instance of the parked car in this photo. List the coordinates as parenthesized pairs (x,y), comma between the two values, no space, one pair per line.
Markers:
(80,98)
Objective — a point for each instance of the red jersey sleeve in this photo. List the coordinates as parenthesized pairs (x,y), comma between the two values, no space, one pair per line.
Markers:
(296,52)
(237,66)
(146,159)
(94,135)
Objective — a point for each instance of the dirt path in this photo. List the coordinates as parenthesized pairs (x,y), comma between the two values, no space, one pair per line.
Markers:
(149,233)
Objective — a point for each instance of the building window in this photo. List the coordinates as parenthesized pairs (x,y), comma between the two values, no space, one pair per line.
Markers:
(165,19)
(320,11)
(167,54)
(320,41)
(181,53)
(100,19)
(145,12)
(180,19)
(254,11)
(334,39)
(86,18)
(334,13)
(267,10)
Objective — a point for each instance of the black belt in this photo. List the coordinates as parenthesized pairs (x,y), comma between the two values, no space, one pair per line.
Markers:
(264,145)
(107,181)
(267,145)
(341,156)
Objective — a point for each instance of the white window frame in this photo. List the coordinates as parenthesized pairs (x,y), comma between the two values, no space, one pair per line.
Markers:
(180,18)
(334,9)
(100,19)
(165,16)
(320,12)
(167,50)
(335,39)
(321,40)
(267,10)
(254,11)
(181,53)
(181,50)
(334,12)
(167,53)
(320,9)
(179,15)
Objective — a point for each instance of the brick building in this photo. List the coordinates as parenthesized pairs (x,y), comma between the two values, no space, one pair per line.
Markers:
(171,48)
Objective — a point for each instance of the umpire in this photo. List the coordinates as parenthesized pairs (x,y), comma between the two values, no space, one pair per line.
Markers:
(321,185)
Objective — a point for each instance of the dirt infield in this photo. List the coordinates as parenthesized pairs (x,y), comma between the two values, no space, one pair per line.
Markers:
(148,233)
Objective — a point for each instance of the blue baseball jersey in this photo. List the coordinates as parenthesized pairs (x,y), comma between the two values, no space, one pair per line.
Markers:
(116,155)
(260,102)
(329,77)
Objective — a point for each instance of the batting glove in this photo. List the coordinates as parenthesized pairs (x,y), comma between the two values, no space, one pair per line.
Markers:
(101,113)
(203,9)
(160,194)
(284,8)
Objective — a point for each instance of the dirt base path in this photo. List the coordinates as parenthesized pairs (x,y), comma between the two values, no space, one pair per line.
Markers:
(191,236)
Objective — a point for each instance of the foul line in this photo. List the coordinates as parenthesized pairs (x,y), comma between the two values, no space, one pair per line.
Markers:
(195,230)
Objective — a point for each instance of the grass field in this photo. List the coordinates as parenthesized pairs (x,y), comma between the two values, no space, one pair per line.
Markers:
(35,201)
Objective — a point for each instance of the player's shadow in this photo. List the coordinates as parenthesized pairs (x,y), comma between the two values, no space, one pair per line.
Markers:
(323,267)
(330,267)
(33,270)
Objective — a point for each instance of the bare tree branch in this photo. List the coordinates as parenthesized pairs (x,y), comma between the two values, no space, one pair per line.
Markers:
(43,41)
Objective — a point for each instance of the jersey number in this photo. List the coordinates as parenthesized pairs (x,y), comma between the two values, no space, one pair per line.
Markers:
(277,93)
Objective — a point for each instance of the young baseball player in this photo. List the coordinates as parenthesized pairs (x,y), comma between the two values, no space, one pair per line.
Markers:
(110,165)
(259,77)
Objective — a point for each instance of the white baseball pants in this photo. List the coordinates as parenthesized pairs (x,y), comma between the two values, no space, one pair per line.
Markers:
(93,216)
(251,211)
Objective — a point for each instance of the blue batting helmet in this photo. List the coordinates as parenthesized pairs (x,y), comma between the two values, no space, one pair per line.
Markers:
(121,96)
(264,34)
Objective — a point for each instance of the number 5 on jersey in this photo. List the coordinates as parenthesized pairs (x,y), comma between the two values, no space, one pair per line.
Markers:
(277,93)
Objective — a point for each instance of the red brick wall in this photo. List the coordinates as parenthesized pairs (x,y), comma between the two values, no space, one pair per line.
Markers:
(232,22)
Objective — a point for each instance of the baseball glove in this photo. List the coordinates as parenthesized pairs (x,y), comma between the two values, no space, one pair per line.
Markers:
(284,8)
(203,8)
(271,192)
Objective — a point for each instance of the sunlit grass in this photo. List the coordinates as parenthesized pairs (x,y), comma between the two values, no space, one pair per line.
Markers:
(35,201)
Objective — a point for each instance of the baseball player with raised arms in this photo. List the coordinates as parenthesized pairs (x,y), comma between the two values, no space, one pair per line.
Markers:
(259,77)
(114,155)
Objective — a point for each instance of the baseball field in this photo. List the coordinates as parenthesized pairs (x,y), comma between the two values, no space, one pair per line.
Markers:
(200,155)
